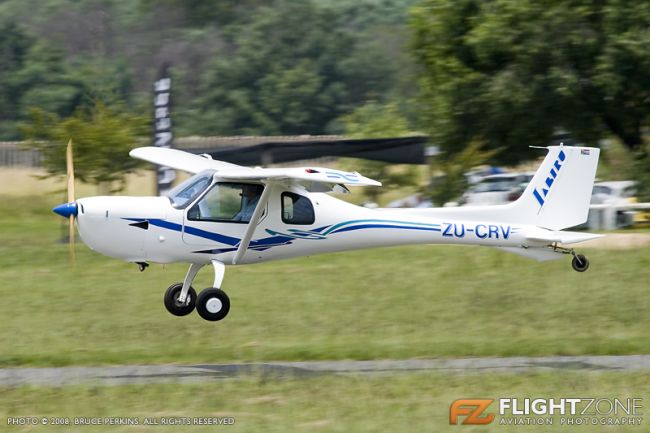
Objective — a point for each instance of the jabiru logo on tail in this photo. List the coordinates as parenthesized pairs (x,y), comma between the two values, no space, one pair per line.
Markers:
(552,175)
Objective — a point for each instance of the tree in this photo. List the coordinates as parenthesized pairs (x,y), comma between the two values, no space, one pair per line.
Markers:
(641,172)
(202,12)
(290,69)
(102,136)
(32,73)
(374,120)
(238,66)
(512,72)
(14,47)
(452,182)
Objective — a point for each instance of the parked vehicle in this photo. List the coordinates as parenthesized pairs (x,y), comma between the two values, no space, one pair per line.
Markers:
(496,189)
(616,193)
(418,200)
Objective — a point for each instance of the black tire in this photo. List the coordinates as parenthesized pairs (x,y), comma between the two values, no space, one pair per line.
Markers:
(213,304)
(171,300)
(580,263)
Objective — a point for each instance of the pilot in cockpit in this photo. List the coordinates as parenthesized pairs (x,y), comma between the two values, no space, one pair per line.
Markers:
(250,197)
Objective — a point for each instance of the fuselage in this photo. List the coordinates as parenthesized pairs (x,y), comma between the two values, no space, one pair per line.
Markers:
(139,229)
(226,214)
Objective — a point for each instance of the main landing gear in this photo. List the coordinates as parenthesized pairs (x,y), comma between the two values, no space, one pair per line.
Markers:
(579,263)
(212,303)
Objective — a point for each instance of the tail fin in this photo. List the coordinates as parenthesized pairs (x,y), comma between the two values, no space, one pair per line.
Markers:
(559,194)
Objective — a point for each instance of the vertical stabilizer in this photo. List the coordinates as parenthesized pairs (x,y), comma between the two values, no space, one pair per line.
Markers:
(559,194)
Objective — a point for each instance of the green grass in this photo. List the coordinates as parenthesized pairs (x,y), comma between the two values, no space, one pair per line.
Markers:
(425,301)
(417,402)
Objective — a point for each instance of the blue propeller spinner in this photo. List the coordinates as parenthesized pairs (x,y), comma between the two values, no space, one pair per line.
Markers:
(66,209)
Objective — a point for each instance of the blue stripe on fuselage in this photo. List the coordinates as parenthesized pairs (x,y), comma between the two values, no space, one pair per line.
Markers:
(380,226)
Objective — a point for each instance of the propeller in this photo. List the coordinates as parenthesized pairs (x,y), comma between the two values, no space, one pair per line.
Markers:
(69,209)
(69,164)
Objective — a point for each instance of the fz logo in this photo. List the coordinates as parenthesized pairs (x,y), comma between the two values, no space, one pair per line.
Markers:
(552,174)
(471,410)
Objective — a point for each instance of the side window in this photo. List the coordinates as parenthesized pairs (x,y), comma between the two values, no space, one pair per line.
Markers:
(296,209)
(227,202)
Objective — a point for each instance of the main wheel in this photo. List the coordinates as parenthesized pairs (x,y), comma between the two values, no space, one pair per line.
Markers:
(580,263)
(213,304)
(174,306)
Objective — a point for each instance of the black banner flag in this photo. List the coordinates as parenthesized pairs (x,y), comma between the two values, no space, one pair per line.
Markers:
(162,126)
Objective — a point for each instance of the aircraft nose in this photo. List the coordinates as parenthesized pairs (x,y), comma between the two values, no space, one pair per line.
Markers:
(66,209)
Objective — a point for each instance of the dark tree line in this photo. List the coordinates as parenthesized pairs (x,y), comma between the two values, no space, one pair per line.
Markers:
(498,74)
(512,73)
(239,67)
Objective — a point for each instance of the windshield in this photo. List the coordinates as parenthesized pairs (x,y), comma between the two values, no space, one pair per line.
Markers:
(227,202)
(185,192)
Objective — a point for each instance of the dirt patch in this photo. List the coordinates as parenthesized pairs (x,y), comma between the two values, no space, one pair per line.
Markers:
(619,241)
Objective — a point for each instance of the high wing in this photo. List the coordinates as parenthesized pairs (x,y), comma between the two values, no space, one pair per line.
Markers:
(307,174)
(311,177)
(179,160)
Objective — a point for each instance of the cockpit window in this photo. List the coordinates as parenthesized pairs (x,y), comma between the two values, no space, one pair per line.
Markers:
(185,192)
(227,202)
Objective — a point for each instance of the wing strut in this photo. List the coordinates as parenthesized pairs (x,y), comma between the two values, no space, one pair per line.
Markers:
(255,219)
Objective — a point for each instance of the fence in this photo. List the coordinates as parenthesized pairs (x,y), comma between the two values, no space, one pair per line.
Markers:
(16,154)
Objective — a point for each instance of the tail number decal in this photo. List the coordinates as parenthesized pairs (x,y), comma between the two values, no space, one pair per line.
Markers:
(482,231)
(552,174)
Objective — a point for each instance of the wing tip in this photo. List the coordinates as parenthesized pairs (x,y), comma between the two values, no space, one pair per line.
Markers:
(137,151)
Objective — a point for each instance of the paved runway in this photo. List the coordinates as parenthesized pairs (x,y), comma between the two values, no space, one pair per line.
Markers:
(137,374)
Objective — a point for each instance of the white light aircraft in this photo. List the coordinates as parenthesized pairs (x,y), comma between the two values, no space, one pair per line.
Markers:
(231,215)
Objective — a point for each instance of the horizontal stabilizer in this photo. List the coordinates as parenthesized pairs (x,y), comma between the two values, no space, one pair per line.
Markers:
(562,237)
(539,254)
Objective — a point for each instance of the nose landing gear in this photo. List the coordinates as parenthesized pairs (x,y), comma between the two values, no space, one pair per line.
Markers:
(212,304)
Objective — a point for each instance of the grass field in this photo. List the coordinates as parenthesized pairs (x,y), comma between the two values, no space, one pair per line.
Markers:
(426,301)
(416,402)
